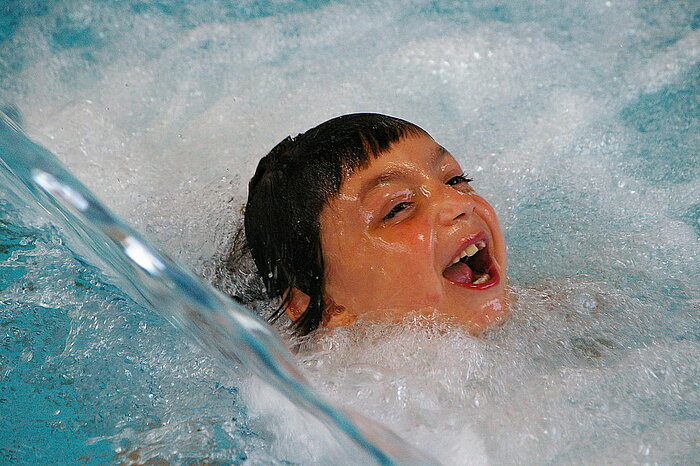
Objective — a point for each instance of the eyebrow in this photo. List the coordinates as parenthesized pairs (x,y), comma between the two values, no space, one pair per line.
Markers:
(395,173)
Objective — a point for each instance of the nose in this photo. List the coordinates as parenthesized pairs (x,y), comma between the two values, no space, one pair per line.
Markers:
(454,206)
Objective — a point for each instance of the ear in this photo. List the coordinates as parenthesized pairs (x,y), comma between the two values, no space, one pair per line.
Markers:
(297,303)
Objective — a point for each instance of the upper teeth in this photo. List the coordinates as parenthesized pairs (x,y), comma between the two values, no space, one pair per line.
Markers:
(470,251)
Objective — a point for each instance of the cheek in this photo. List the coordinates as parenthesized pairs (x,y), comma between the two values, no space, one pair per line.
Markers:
(401,250)
(347,253)
(371,269)
(382,256)
(410,236)
(487,213)
(367,256)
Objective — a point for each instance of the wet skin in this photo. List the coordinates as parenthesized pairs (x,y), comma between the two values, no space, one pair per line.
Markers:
(393,229)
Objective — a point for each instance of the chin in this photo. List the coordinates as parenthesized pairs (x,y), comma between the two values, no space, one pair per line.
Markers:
(490,314)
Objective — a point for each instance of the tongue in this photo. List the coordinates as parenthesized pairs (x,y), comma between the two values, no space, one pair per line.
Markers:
(459,273)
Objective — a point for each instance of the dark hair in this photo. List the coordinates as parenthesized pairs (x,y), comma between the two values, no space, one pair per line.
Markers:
(290,188)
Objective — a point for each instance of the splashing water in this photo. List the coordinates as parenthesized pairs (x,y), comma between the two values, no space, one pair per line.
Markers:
(217,324)
(578,120)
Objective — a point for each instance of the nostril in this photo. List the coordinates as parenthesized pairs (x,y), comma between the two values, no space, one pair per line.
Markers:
(465,212)
(455,213)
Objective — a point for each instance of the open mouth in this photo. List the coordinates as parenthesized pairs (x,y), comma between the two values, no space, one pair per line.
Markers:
(473,267)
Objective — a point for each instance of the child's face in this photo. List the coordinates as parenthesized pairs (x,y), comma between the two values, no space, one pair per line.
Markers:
(391,236)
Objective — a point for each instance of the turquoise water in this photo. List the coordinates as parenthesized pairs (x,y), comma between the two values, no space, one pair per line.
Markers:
(578,120)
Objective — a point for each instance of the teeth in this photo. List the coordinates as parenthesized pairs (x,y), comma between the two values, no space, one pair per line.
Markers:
(471,250)
(482,279)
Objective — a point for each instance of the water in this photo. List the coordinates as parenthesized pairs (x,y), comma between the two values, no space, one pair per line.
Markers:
(225,329)
(579,121)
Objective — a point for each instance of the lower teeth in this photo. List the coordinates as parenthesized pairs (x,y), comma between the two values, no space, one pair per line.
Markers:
(482,279)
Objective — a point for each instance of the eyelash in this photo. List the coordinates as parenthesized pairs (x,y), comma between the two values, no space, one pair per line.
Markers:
(459,179)
(403,205)
(396,209)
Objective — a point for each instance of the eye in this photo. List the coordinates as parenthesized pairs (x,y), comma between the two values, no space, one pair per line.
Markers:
(395,210)
(459,179)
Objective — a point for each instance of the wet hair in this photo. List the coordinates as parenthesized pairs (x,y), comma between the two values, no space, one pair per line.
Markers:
(291,186)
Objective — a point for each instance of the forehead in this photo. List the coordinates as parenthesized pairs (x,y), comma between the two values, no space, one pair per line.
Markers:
(409,155)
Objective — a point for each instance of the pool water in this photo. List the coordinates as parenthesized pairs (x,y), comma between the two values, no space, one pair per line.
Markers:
(578,120)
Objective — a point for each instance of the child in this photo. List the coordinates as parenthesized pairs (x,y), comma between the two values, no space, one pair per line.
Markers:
(366,217)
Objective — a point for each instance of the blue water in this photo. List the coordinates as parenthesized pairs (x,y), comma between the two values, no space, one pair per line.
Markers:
(578,120)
